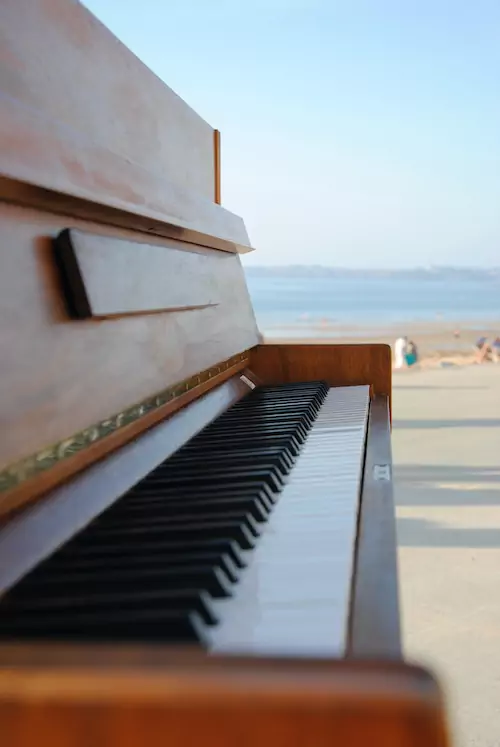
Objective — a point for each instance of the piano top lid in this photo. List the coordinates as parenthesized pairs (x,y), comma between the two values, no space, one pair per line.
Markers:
(84,118)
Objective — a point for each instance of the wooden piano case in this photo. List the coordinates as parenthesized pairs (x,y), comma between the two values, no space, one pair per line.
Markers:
(126,327)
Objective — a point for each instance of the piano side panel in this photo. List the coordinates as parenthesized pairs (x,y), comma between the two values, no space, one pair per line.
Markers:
(58,375)
(216,702)
(339,365)
(375,615)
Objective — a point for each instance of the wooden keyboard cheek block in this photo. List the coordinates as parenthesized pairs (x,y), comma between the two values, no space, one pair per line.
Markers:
(338,365)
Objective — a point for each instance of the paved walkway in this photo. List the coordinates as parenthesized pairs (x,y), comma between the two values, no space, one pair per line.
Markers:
(446,442)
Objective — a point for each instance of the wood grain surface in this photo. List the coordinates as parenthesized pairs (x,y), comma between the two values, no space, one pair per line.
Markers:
(60,61)
(338,365)
(283,703)
(85,120)
(44,157)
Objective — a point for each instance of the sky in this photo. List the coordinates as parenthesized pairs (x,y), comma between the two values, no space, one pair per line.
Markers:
(357,133)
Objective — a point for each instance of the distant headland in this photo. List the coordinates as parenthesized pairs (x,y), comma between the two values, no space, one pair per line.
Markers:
(429,273)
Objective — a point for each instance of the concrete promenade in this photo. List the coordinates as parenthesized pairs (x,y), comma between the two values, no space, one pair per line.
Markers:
(446,444)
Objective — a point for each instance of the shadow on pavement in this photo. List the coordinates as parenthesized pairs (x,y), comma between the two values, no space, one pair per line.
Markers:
(421,387)
(446,485)
(415,532)
(432,424)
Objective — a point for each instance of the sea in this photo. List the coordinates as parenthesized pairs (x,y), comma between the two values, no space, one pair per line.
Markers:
(294,306)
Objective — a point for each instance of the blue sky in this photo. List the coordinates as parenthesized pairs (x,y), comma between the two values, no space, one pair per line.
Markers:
(354,133)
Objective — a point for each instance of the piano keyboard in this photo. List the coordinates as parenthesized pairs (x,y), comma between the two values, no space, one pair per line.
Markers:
(294,596)
(241,541)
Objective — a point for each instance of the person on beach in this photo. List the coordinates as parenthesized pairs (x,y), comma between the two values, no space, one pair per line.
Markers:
(495,349)
(487,351)
(481,350)
(411,355)
(400,352)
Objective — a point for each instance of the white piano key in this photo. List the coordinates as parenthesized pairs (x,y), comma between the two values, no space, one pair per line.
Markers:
(293,598)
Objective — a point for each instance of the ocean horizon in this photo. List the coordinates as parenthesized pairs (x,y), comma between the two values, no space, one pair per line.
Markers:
(291,305)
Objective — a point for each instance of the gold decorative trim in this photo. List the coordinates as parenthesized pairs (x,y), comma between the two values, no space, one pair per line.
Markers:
(25,469)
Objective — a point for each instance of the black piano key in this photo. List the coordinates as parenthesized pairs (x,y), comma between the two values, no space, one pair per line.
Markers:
(271,413)
(235,457)
(263,419)
(263,424)
(71,604)
(153,626)
(83,546)
(273,474)
(297,395)
(145,559)
(181,521)
(218,475)
(289,428)
(299,400)
(242,489)
(297,404)
(288,441)
(205,578)
(236,418)
(171,507)
(299,386)
(252,430)
(178,535)
(279,458)
(261,402)
(264,392)
(254,405)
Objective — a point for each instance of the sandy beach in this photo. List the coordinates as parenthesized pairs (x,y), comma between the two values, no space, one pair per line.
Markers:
(437,341)
(446,444)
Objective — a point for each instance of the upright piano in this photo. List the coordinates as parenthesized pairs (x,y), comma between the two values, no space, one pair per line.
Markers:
(197,537)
